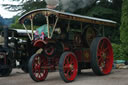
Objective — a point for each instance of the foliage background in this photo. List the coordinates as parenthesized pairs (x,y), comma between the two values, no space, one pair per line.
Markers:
(124,29)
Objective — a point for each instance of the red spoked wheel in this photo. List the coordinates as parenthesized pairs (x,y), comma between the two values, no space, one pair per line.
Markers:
(38,67)
(68,66)
(101,56)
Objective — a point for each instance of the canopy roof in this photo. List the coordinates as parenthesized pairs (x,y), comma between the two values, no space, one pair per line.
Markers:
(67,16)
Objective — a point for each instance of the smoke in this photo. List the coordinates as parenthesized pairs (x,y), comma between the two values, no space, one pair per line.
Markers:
(72,5)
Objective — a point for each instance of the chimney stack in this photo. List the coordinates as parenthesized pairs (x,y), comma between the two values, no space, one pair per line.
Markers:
(52,4)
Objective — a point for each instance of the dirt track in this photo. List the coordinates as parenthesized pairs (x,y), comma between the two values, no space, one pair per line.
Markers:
(117,77)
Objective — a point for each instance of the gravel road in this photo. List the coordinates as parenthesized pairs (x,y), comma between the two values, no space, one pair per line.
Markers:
(117,77)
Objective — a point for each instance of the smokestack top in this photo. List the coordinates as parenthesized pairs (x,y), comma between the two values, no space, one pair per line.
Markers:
(51,7)
(51,4)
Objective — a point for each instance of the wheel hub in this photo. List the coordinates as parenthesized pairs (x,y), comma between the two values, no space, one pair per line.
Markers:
(103,55)
(71,67)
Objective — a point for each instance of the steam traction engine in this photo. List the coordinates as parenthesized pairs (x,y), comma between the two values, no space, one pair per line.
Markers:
(67,42)
(14,50)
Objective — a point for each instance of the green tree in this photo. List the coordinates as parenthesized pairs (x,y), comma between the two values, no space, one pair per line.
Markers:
(25,6)
(124,29)
(16,24)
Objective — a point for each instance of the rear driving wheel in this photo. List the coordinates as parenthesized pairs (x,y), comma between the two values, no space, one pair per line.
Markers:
(38,67)
(68,66)
(101,56)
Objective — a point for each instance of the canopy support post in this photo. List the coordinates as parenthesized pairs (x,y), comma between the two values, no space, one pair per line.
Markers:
(48,26)
(27,32)
(54,27)
(32,28)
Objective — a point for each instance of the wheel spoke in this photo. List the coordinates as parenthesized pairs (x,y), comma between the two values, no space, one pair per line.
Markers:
(39,75)
(67,60)
(99,52)
(102,45)
(67,73)
(72,71)
(106,49)
(71,61)
(100,60)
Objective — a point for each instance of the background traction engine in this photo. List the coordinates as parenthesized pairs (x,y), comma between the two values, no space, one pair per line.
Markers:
(14,47)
